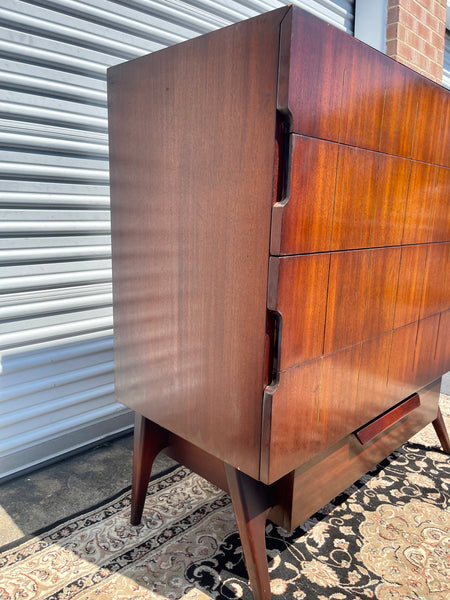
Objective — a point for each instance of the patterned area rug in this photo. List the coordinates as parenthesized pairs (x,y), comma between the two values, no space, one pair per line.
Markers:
(386,537)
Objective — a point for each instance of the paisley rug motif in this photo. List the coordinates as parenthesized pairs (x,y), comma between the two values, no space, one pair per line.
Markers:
(386,537)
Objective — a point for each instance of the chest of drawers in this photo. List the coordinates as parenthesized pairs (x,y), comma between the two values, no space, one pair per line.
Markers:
(280,224)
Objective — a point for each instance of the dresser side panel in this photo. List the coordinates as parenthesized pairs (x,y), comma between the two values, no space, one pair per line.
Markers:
(192,131)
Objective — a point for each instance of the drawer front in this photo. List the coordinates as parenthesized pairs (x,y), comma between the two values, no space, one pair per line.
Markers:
(342,197)
(319,480)
(343,91)
(318,403)
(330,301)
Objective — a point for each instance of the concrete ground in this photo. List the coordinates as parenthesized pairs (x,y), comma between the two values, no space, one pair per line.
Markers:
(37,499)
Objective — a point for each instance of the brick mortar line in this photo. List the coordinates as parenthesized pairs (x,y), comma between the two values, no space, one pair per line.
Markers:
(417,18)
(401,6)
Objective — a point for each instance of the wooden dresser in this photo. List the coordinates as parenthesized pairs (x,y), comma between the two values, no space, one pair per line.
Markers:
(280,221)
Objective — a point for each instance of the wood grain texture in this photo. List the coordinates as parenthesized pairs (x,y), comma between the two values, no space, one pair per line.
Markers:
(426,367)
(400,110)
(428,133)
(363,96)
(410,284)
(419,207)
(191,185)
(346,299)
(319,480)
(401,380)
(368,432)
(443,343)
(299,294)
(355,197)
(381,293)
(307,213)
(373,392)
(440,219)
(434,293)
(390,200)
(314,108)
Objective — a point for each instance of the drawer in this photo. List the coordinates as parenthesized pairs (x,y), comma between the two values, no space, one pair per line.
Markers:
(306,489)
(312,406)
(316,404)
(340,197)
(362,99)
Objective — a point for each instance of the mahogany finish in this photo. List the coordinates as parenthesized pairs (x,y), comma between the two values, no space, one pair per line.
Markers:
(368,432)
(281,242)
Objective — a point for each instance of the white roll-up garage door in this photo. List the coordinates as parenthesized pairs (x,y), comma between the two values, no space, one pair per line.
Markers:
(446,76)
(56,364)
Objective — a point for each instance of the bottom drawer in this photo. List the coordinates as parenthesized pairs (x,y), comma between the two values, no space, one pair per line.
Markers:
(304,491)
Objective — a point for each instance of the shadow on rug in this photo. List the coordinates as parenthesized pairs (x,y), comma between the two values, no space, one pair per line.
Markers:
(386,537)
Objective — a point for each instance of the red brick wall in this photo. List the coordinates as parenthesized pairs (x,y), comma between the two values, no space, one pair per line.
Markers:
(415,34)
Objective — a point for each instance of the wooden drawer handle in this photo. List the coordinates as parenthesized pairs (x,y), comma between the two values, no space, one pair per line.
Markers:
(393,415)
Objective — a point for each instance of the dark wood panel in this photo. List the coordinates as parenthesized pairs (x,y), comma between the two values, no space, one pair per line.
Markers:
(292,429)
(312,407)
(366,433)
(307,216)
(373,392)
(429,122)
(298,291)
(339,411)
(444,157)
(315,108)
(400,110)
(390,200)
(363,97)
(323,477)
(443,343)
(191,184)
(440,220)
(355,198)
(426,368)
(410,284)
(346,298)
(419,206)
(401,379)
(381,292)
(434,287)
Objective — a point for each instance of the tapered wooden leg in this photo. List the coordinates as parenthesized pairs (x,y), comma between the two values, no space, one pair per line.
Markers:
(441,431)
(252,503)
(149,440)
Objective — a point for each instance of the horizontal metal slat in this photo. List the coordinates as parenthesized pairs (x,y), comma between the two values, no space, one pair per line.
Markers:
(21,362)
(52,307)
(34,108)
(178,11)
(33,255)
(27,170)
(52,143)
(51,332)
(54,198)
(30,388)
(55,26)
(53,82)
(114,16)
(56,429)
(53,280)
(52,227)
(55,407)
(19,47)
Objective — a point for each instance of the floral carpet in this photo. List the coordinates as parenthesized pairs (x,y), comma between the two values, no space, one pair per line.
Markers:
(386,537)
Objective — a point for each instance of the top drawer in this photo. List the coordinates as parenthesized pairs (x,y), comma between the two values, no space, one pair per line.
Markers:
(344,91)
